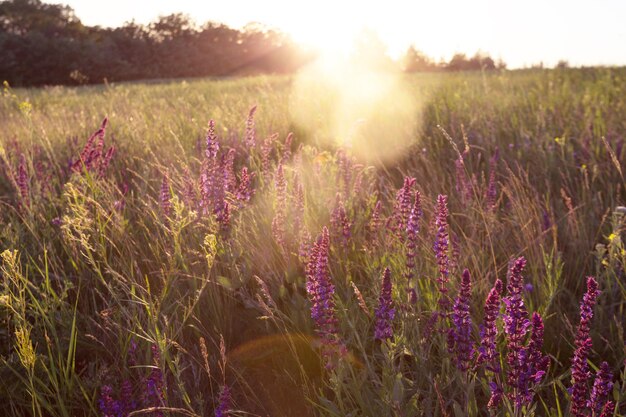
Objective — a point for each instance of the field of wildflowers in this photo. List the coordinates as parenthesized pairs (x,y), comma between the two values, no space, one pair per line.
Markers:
(192,248)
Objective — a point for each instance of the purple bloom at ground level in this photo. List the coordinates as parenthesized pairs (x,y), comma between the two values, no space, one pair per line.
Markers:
(321,290)
(385,311)
(459,336)
(580,368)
(607,411)
(127,398)
(224,403)
(108,406)
(602,387)
(534,363)
(487,352)
(154,394)
(516,325)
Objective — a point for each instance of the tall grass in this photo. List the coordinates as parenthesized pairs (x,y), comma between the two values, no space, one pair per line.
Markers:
(159,283)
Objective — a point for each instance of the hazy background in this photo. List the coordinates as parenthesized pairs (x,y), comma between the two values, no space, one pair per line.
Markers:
(520,33)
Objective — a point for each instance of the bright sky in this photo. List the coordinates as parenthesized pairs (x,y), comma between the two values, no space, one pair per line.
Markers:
(520,32)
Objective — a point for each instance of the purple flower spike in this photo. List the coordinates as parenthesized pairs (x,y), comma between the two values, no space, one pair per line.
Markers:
(375,220)
(402,207)
(385,311)
(602,387)
(459,336)
(580,368)
(154,395)
(340,222)
(321,294)
(516,326)
(441,252)
(608,409)
(224,403)
(534,361)
(127,398)
(108,406)
(212,143)
(245,190)
(487,352)
(412,230)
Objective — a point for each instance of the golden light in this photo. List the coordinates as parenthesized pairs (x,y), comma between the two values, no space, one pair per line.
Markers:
(350,95)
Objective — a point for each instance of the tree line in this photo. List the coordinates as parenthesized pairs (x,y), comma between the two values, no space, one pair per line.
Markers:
(46,44)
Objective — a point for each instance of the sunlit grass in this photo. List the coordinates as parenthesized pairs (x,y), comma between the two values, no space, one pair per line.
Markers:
(97,277)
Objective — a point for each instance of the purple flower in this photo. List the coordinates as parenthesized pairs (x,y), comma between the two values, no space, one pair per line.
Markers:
(516,325)
(212,143)
(580,368)
(402,207)
(245,190)
(375,220)
(340,222)
(321,293)
(441,252)
(109,407)
(93,158)
(127,398)
(602,387)
(287,149)
(385,311)
(90,155)
(106,161)
(535,363)
(487,352)
(224,403)
(459,336)
(608,409)
(228,170)
(154,394)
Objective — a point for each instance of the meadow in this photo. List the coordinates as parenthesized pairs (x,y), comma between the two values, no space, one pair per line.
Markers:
(445,245)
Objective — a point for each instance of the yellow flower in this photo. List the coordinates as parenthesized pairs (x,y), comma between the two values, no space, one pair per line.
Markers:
(25,107)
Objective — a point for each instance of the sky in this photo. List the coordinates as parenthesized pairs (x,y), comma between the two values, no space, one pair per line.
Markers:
(522,33)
